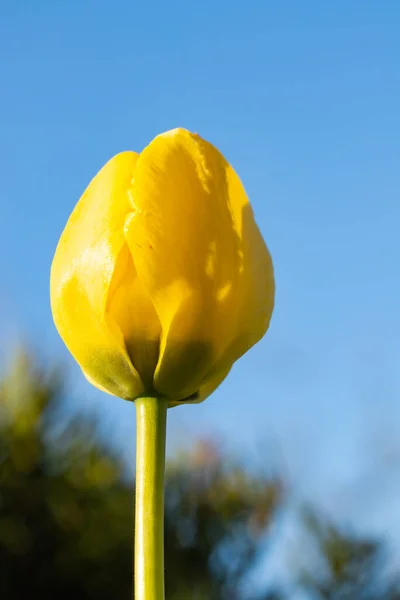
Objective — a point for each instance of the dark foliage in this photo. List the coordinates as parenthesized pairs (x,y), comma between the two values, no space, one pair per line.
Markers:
(66,508)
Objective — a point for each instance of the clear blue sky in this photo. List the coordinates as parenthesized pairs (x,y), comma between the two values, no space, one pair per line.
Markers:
(304,99)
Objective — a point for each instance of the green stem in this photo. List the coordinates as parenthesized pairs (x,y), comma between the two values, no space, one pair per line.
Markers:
(151,421)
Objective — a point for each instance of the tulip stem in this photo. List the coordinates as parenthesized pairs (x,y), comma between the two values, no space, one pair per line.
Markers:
(151,422)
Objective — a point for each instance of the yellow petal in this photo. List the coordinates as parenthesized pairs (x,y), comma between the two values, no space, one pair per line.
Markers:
(82,272)
(256,285)
(129,306)
(204,391)
(186,239)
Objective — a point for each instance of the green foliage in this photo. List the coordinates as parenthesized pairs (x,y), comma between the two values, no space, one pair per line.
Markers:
(66,515)
(66,524)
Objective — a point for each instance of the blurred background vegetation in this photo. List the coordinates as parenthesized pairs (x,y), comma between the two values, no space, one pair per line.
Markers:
(66,515)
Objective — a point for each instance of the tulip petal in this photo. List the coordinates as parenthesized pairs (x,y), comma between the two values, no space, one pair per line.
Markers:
(129,306)
(82,272)
(186,239)
(205,390)
(256,286)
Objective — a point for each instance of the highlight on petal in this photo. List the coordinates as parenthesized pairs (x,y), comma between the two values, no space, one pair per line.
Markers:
(81,274)
(193,240)
(256,284)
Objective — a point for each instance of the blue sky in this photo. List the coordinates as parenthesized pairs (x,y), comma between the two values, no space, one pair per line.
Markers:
(303,99)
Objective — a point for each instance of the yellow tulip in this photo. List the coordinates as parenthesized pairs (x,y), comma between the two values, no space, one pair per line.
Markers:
(161,279)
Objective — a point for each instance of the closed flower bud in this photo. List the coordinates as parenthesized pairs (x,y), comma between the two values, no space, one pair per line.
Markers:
(161,279)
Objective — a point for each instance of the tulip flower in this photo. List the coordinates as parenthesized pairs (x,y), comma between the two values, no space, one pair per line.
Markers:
(160,282)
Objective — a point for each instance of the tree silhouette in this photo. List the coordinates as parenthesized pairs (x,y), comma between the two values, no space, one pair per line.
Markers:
(351,567)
